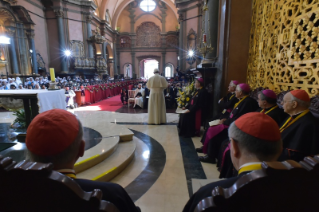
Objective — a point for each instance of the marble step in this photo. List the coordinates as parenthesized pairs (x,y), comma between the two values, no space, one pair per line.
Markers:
(112,165)
(97,153)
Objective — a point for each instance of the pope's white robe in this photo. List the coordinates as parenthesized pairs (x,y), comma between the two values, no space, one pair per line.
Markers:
(156,102)
(71,95)
(139,100)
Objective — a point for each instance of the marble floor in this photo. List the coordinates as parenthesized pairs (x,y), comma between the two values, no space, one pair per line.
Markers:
(159,177)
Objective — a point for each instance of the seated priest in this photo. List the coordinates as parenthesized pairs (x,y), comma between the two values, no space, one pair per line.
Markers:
(56,136)
(169,96)
(190,122)
(254,137)
(139,94)
(217,133)
(267,101)
(227,103)
(300,131)
(69,94)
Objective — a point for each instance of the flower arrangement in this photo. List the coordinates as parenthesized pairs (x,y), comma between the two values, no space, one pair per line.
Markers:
(186,95)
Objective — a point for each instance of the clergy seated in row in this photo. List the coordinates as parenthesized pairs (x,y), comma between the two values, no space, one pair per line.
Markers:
(300,131)
(190,122)
(267,101)
(139,95)
(56,136)
(227,102)
(169,96)
(69,95)
(254,137)
(217,133)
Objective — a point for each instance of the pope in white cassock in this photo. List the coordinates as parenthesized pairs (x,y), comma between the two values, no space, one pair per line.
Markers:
(156,102)
(139,94)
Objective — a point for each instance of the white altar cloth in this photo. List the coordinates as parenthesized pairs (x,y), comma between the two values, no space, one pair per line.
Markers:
(47,100)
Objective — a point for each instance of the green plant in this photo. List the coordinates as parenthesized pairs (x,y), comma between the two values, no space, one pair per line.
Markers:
(20,114)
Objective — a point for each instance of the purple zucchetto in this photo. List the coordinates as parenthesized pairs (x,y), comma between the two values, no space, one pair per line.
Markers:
(269,94)
(244,87)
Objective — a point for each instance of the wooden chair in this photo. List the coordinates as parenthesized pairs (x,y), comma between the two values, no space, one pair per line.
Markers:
(278,186)
(131,97)
(29,186)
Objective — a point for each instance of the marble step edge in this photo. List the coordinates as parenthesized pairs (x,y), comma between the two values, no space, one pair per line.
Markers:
(110,173)
(93,158)
(128,137)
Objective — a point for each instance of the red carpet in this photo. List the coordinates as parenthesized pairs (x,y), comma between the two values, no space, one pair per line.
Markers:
(112,104)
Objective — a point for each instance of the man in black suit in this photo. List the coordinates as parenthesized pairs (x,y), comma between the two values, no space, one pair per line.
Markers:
(255,137)
(56,136)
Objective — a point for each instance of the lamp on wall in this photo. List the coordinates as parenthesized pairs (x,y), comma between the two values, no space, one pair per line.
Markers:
(205,48)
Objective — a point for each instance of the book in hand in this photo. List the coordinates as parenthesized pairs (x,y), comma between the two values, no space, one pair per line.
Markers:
(180,110)
(214,123)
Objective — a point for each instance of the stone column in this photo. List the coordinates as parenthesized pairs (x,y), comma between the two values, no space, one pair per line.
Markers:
(33,54)
(211,27)
(132,16)
(115,54)
(163,62)
(12,51)
(181,41)
(59,17)
(104,44)
(163,22)
(133,65)
(89,34)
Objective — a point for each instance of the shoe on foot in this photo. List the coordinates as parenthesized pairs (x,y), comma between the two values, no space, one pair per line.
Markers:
(206,159)
(200,149)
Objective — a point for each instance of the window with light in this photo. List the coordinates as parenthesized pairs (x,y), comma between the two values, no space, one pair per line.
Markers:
(147,5)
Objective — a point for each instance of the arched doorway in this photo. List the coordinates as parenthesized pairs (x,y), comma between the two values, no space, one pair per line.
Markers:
(147,67)
(128,70)
(169,70)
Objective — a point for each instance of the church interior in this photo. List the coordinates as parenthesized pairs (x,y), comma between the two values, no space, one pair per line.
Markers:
(222,59)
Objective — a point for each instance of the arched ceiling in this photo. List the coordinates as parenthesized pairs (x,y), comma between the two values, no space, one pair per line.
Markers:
(115,7)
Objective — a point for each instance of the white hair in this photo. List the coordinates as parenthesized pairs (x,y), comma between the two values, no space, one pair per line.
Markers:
(156,70)
(232,84)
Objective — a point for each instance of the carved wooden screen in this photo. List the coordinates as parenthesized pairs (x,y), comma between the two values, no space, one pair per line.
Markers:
(148,35)
(125,42)
(172,41)
(284,53)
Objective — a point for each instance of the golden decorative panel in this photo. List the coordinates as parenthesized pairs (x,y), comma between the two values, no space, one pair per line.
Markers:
(284,45)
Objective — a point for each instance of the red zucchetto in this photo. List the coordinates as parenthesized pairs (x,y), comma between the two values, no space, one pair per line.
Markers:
(259,125)
(301,94)
(51,132)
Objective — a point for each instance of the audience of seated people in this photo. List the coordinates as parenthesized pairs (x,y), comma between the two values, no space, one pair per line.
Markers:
(56,136)
(190,122)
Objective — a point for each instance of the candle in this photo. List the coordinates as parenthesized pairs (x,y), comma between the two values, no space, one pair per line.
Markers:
(204,38)
(52,74)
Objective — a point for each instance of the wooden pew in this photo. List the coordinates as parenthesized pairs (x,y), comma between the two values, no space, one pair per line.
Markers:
(278,186)
(29,186)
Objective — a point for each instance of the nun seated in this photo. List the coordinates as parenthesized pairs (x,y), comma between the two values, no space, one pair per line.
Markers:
(139,94)
(190,122)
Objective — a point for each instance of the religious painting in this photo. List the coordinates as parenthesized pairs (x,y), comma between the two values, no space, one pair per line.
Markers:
(148,35)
